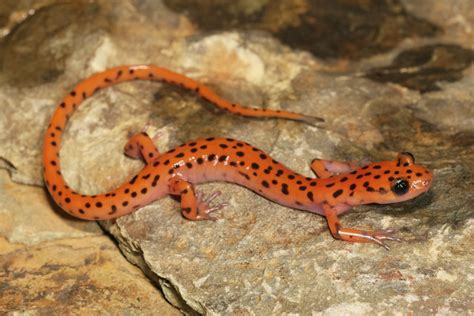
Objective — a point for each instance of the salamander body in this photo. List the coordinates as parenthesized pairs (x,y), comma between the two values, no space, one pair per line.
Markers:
(338,185)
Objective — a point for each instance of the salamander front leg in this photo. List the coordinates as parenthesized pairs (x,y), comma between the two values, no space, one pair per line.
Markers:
(194,206)
(328,168)
(140,146)
(355,235)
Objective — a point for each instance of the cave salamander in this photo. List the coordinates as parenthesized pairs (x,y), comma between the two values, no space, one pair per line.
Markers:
(337,187)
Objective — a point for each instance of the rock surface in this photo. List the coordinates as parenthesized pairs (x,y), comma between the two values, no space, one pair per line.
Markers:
(259,257)
(56,265)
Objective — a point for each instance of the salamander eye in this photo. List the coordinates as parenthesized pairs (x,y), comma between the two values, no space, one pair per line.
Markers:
(400,186)
(409,156)
(405,159)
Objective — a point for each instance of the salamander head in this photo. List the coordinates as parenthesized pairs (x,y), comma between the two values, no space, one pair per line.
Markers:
(391,181)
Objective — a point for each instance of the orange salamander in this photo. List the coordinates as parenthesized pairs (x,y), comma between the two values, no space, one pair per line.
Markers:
(338,185)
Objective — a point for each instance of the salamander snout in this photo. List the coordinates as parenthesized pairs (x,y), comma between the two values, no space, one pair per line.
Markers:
(421,184)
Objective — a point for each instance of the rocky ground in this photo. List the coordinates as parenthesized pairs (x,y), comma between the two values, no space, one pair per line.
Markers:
(387,76)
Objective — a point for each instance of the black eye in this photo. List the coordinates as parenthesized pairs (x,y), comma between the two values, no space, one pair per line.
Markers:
(400,186)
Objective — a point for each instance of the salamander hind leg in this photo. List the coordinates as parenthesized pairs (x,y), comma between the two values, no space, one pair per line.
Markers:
(328,168)
(140,146)
(356,235)
(194,206)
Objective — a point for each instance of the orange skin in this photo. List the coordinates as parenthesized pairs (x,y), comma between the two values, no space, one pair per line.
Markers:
(337,187)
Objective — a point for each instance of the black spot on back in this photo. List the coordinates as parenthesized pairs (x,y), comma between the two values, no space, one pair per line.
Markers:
(337,193)
(133,179)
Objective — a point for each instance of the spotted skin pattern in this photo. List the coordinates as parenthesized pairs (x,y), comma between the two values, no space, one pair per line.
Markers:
(337,187)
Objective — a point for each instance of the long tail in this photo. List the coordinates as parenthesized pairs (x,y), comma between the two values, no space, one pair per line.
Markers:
(54,180)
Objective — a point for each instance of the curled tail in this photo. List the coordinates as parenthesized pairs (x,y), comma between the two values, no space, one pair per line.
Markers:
(74,203)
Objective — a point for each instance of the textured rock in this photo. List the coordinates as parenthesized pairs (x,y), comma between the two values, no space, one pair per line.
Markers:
(259,257)
(54,264)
